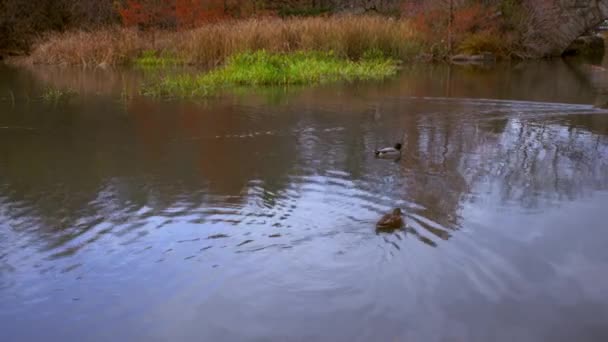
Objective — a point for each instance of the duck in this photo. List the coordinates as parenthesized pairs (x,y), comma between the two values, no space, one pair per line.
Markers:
(391,221)
(389,151)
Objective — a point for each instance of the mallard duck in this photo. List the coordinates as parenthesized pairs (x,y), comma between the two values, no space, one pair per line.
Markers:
(391,221)
(390,152)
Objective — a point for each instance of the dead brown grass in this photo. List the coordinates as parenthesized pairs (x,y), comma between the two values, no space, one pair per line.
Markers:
(210,44)
(108,46)
(346,36)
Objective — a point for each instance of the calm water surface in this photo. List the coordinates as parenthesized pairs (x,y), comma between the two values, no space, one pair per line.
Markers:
(250,217)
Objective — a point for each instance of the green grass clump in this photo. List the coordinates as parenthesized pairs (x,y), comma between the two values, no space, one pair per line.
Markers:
(265,68)
(152,59)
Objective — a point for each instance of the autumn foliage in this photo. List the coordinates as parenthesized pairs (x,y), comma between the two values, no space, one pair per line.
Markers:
(466,19)
(468,26)
(192,13)
(181,14)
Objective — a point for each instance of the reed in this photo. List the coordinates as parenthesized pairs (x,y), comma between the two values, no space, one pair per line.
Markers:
(109,46)
(347,37)
(211,44)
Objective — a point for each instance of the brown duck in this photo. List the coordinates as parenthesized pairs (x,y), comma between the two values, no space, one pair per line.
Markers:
(391,221)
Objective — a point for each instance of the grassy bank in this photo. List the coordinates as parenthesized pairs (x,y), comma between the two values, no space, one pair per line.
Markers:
(265,68)
(211,44)
(276,51)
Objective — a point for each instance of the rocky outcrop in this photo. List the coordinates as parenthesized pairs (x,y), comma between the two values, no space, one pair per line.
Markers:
(586,45)
(555,24)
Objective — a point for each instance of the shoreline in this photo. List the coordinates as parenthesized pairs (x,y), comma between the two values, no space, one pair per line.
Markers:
(211,44)
(268,51)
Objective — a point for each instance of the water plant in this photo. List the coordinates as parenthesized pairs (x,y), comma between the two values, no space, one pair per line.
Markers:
(267,68)
(55,95)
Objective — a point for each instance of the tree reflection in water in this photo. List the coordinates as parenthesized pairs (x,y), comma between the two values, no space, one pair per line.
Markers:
(90,166)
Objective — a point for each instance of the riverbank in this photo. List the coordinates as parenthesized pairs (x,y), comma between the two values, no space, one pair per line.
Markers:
(211,44)
(288,50)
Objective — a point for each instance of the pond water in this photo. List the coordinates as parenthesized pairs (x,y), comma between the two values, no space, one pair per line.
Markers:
(251,216)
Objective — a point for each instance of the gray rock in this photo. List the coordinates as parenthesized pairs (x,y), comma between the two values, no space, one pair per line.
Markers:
(555,24)
(485,57)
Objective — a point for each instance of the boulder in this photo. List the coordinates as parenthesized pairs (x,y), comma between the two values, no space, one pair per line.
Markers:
(586,45)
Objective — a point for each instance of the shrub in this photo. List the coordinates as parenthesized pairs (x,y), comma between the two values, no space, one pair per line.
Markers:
(147,14)
(470,21)
(485,41)
(193,13)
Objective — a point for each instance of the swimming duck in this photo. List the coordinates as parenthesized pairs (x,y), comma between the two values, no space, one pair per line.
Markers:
(391,221)
(390,152)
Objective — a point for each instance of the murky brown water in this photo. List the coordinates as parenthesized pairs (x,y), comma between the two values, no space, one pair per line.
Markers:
(251,217)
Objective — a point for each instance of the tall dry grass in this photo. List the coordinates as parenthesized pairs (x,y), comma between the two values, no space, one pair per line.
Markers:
(346,36)
(109,46)
(211,44)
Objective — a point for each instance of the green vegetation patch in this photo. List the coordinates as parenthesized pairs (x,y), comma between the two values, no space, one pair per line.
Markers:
(265,68)
(154,59)
(53,95)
